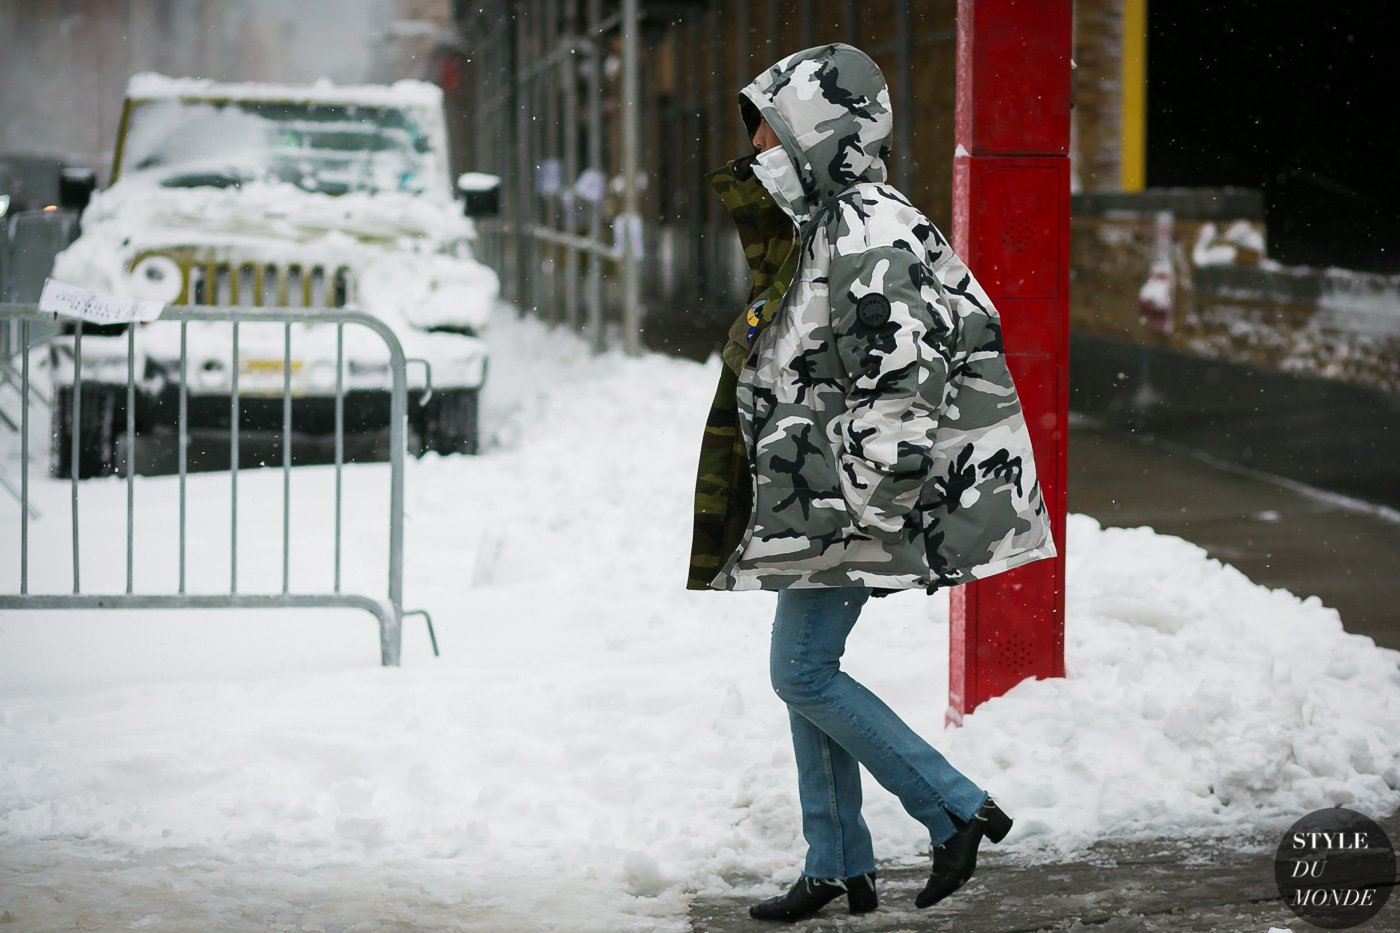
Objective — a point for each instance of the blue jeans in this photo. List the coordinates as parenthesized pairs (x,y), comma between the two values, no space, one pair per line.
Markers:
(837,723)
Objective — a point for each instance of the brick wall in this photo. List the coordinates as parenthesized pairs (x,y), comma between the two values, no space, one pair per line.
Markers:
(1097,118)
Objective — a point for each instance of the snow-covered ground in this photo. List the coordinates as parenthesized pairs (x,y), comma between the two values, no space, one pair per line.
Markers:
(595,744)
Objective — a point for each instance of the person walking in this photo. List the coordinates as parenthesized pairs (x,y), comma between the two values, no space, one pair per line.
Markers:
(865,438)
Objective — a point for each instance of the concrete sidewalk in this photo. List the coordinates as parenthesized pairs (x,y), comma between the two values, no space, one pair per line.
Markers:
(1278,534)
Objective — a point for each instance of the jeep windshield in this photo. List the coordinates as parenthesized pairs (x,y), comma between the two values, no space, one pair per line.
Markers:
(327,148)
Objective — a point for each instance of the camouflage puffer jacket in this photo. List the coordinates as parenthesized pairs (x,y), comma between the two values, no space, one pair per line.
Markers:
(882,435)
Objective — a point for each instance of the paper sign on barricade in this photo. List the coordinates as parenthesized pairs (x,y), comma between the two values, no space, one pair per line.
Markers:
(72,301)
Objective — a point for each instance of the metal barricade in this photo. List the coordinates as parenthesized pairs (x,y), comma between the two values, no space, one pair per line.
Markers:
(19,320)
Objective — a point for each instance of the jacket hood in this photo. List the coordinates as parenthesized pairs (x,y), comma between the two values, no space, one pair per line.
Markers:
(830,108)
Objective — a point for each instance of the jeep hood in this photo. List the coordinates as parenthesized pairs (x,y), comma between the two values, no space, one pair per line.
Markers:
(149,216)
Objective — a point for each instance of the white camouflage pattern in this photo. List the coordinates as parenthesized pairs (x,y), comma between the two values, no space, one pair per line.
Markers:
(886,442)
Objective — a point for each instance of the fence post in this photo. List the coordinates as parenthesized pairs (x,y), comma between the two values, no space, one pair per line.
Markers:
(595,162)
(524,293)
(569,72)
(630,228)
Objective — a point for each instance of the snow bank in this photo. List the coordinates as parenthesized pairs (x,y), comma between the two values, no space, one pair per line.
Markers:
(595,742)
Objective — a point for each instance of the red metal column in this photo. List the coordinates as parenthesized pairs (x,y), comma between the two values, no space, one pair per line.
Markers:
(1011,226)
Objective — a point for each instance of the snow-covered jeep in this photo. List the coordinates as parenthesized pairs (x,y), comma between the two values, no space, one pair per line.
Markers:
(317,196)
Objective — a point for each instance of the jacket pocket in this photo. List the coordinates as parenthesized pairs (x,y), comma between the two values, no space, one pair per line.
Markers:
(798,490)
(880,502)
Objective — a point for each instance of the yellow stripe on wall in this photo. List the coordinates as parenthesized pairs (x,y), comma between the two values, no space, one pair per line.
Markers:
(1134,121)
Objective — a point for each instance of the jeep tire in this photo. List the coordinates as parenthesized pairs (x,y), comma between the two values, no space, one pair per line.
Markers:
(447,424)
(101,412)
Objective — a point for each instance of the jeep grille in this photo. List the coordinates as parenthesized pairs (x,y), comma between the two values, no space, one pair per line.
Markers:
(291,285)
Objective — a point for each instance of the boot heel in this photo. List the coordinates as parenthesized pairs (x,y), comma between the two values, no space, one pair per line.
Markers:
(860,894)
(998,823)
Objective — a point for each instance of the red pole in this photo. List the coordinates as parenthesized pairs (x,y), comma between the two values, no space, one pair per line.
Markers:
(1011,226)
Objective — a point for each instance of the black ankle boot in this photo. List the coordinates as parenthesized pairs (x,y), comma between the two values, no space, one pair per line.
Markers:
(861,896)
(955,860)
(809,895)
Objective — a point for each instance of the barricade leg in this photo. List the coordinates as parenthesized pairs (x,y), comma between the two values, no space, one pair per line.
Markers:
(390,639)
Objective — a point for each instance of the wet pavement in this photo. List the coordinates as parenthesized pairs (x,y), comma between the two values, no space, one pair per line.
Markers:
(1171,886)
(1277,533)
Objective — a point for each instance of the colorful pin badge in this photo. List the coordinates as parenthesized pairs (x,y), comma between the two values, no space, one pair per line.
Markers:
(752,318)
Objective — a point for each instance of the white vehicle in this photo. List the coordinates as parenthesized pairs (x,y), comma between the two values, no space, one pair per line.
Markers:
(254,194)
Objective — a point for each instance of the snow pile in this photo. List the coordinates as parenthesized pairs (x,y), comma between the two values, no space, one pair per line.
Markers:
(1241,241)
(1194,698)
(262,216)
(406,254)
(596,742)
(478,181)
(405,93)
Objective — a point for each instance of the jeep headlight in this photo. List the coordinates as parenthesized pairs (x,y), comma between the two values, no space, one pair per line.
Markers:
(395,284)
(156,278)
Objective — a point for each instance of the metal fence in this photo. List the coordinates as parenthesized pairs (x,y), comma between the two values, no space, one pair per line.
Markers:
(541,79)
(23,328)
(602,117)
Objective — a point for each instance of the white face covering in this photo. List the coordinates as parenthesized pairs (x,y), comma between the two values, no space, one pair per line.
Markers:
(774,170)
